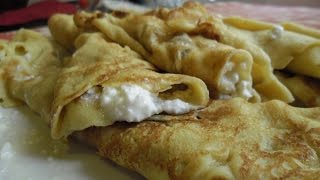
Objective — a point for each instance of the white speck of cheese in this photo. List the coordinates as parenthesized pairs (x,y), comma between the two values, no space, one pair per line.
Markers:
(132,103)
(276,32)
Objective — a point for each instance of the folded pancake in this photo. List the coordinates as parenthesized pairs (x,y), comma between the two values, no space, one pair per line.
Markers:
(305,90)
(28,71)
(291,47)
(87,90)
(64,30)
(230,139)
(194,19)
(226,71)
(290,26)
(5,99)
(99,84)
(173,40)
(264,81)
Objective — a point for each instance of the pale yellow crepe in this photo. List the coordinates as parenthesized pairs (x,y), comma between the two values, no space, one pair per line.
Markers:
(198,33)
(290,26)
(98,62)
(53,87)
(64,30)
(4,95)
(291,47)
(230,139)
(306,90)
(213,62)
(207,59)
(31,62)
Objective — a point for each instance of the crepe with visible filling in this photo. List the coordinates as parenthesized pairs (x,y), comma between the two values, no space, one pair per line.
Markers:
(230,139)
(155,33)
(226,71)
(31,61)
(62,91)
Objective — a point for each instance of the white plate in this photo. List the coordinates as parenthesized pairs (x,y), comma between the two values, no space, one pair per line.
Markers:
(28,152)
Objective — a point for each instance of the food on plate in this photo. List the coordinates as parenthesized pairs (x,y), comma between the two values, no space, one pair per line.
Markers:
(306,90)
(172,40)
(290,26)
(226,70)
(103,73)
(4,100)
(174,94)
(30,59)
(298,52)
(230,139)
(64,30)
(99,79)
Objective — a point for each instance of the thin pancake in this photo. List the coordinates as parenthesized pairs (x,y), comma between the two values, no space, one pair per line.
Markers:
(64,30)
(228,140)
(306,90)
(32,61)
(154,31)
(291,47)
(52,87)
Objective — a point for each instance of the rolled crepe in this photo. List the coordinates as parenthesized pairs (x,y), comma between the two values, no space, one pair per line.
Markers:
(194,19)
(225,70)
(64,30)
(5,99)
(230,139)
(305,90)
(154,31)
(291,47)
(73,94)
(30,70)
(98,64)
(290,26)
(23,66)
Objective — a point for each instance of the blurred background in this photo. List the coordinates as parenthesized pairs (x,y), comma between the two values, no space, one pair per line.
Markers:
(15,4)
(15,14)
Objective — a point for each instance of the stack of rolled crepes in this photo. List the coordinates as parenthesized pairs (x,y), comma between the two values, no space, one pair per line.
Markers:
(67,93)
(195,81)
(235,57)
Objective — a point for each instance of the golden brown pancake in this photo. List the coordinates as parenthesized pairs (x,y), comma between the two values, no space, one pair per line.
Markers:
(230,139)
(64,30)
(291,47)
(306,90)
(154,32)
(54,87)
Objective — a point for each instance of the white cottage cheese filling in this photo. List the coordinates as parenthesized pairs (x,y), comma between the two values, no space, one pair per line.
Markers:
(132,103)
(232,85)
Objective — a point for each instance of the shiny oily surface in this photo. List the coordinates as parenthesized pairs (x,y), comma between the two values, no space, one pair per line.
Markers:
(28,152)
